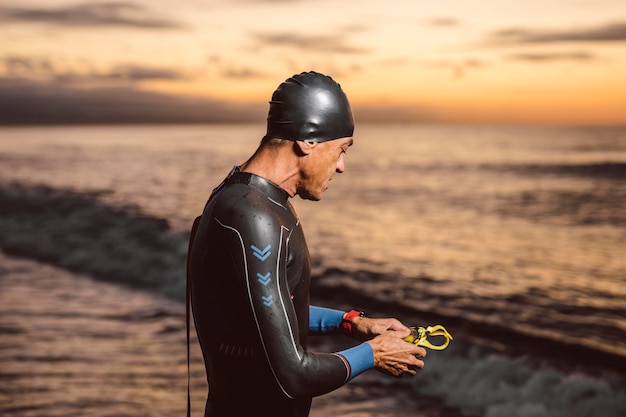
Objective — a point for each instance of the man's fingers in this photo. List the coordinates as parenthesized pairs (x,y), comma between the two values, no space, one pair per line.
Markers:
(419,352)
(420,364)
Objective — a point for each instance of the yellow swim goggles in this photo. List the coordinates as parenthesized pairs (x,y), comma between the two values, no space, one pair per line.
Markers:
(419,336)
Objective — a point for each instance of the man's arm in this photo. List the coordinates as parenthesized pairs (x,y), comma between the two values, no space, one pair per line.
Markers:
(385,336)
(257,242)
(324,320)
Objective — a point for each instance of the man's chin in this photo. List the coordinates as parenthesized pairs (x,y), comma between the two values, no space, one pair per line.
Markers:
(311,197)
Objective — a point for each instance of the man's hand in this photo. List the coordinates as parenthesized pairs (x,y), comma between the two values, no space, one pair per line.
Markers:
(394,356)
(365,328)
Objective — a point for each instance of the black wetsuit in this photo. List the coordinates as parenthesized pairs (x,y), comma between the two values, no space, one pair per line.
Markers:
(250,273)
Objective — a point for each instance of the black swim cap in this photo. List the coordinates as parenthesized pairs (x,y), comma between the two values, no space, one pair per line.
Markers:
(309,106)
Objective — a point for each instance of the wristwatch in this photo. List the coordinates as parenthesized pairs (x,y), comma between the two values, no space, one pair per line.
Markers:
(346,323)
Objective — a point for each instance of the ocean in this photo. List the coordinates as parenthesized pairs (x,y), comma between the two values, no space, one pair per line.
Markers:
(518,229)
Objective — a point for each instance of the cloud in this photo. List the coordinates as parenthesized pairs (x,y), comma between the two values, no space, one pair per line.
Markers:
(233,70)
(394,62)
(44,68)
(127,74)
(242,73)
(140,73)
(615,32)
(112,14)
(25,101)
(319,43)
(458,67)
(444,22)
(552,56)
(21,65)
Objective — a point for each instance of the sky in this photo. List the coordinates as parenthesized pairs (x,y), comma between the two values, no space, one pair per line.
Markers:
(452,61)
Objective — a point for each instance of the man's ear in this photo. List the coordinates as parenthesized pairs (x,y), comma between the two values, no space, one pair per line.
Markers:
(303,147)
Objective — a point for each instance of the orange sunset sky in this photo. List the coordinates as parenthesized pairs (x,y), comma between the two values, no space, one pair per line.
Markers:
(490,61)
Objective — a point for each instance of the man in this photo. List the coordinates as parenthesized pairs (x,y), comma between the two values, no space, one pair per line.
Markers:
(250,270)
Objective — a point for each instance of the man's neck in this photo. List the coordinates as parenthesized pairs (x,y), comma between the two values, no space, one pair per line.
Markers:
(275,165)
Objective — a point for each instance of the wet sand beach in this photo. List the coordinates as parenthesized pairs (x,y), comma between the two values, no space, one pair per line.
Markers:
(73,346)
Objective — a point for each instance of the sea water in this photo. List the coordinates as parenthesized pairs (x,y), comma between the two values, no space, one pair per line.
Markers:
(517,226)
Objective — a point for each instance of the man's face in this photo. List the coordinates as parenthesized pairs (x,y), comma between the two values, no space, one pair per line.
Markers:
(319,166)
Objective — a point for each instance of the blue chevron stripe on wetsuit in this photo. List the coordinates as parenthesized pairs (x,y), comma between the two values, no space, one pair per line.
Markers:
(250,274)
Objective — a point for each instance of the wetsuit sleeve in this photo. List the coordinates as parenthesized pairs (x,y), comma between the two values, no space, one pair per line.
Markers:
(258,243)
(324,320)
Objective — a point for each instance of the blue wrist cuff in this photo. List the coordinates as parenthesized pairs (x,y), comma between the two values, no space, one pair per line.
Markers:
(360,358)
(324,320)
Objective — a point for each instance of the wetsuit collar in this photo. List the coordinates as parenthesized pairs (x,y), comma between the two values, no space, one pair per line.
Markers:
(267,187)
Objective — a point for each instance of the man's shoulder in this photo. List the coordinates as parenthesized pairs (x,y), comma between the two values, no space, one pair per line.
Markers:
(244,201)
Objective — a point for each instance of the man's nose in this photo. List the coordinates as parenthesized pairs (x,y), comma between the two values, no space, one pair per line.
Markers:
(341,166)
